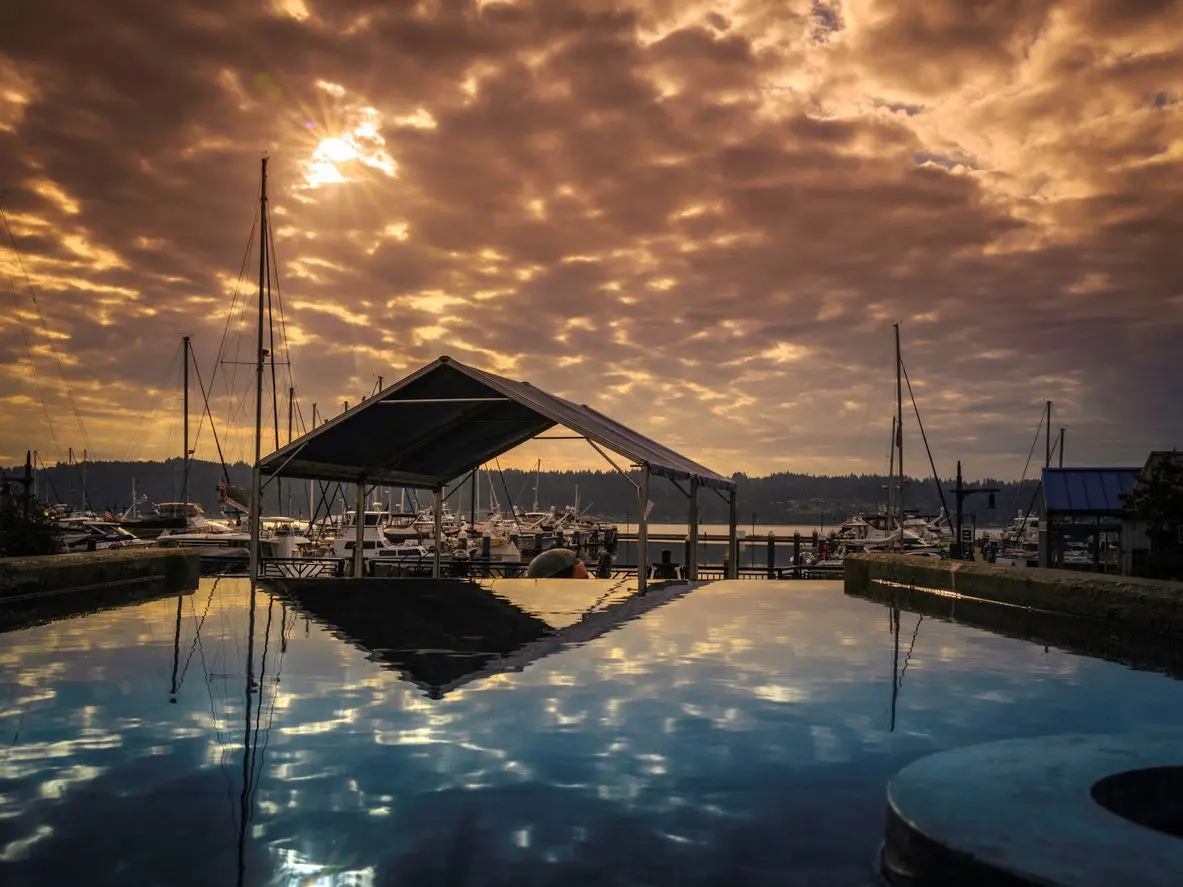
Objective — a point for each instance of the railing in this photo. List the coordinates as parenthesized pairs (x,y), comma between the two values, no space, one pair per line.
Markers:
(301,567)
(476,568)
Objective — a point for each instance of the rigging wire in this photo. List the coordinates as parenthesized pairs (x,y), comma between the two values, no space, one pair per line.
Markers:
(33,367)
(1030,455)
(509,502)
(212,428)
(45,332)
(231,377)
(283,326)
(924,437)
(135,445)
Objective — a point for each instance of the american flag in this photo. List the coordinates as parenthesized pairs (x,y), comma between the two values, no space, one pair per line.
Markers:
(108,516)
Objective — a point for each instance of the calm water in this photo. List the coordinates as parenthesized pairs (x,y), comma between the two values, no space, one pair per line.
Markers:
(740,733)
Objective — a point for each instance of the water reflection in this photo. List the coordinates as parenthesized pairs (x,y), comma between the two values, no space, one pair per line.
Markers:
(441,635)
(741,733)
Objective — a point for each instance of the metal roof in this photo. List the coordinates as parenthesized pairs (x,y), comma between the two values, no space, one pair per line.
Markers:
(446,419)
(1085,491)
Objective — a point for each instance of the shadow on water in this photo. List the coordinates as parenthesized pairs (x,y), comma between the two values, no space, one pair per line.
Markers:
(441,634)
(18,612)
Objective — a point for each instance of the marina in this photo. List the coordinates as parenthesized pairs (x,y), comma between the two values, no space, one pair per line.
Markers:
(583,444)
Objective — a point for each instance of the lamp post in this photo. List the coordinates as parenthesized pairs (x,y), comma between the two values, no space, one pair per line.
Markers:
(963,492)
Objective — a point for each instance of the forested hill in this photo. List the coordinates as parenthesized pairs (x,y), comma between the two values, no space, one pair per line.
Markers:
(777,498)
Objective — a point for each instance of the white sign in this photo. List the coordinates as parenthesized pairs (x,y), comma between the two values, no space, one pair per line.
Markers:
(648,508)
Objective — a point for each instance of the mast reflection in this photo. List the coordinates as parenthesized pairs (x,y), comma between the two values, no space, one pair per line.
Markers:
(897,673)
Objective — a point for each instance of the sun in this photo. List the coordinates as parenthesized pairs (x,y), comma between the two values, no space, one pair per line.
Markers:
(334,151)
(360,144)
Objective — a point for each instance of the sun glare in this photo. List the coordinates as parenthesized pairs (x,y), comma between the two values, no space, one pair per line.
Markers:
(361,143)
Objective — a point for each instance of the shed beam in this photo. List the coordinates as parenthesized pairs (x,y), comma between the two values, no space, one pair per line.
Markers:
(608,459)
(445,400)
(439,532)
(643,532)
(359,532)
(733,536)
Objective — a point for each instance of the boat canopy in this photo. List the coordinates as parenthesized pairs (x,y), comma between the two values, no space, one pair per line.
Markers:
(448,418)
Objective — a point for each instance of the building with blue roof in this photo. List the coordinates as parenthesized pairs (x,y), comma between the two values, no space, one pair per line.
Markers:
(1084,505)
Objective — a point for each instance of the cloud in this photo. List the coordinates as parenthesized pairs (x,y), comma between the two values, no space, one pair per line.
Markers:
(702,218)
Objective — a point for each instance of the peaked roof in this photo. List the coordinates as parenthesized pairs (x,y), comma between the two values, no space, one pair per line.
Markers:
(446,419)
(1086,491)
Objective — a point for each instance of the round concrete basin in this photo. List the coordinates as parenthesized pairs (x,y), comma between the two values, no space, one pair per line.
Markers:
(1056,811)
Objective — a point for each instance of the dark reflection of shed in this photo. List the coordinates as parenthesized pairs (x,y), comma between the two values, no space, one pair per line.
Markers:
(441,634)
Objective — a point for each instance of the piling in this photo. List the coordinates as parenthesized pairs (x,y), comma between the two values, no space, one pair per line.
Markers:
(796,555)
(771,556)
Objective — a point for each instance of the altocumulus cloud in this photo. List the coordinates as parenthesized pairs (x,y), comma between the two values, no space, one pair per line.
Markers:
(701,217)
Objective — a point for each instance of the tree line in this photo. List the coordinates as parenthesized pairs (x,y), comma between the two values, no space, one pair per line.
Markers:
(783,497)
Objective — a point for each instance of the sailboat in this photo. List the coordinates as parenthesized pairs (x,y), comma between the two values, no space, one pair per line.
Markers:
(268,537)
(893,529)
(181,517)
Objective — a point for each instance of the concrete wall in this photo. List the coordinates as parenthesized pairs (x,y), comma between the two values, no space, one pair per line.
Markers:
(179,568)
(1138,603)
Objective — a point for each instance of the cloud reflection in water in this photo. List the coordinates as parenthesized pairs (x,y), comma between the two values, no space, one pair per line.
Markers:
(737,734)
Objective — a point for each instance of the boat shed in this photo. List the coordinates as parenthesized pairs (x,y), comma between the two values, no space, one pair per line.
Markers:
(1085,505)
(447,419)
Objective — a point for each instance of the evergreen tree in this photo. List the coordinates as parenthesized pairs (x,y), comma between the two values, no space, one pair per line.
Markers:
(1158,500)
(25,528)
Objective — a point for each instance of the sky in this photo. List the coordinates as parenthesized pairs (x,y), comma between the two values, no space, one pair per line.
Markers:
(702,218)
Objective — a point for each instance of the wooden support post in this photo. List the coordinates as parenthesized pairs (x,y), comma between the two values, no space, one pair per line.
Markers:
(692,559)
(796,555)
(359,530)
(439,532)
(770,563)
(733,537)
(643,531)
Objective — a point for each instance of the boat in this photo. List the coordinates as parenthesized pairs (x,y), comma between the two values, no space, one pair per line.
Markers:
(91,534)
(374,540)
(278,539)
(170,517)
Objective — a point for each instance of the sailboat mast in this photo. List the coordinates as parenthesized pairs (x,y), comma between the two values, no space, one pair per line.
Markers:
(537,474)
(899,426)
(1047,437)
(890,477)
(185,422)
(260,366)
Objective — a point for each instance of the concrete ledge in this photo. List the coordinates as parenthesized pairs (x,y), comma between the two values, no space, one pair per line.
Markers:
(34,590)
(1026,812)
(1139,603)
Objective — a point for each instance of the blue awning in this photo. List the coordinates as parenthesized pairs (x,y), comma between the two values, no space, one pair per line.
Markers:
(1087,491)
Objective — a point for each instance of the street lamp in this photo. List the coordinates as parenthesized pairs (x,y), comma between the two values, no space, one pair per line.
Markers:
(963,492)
